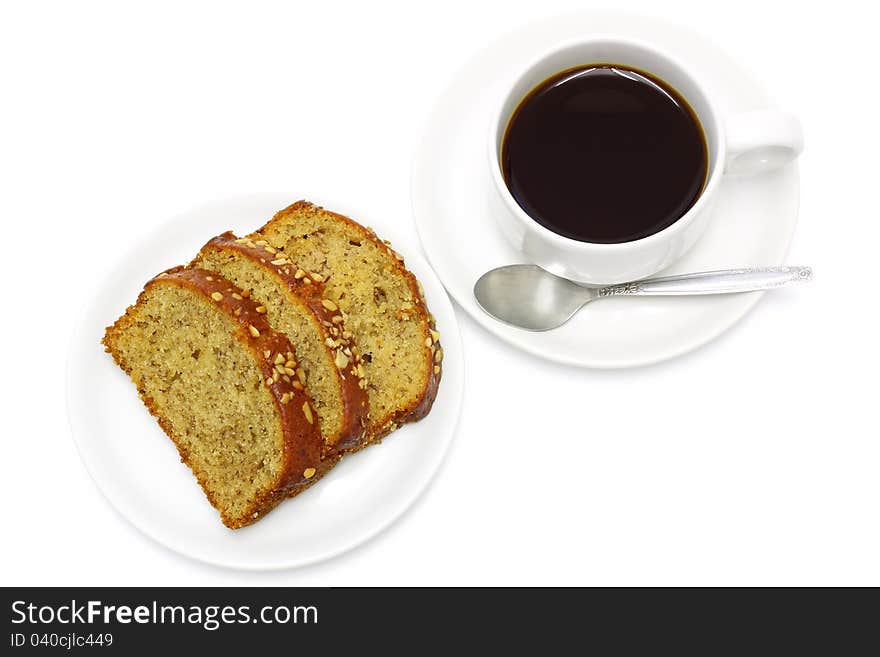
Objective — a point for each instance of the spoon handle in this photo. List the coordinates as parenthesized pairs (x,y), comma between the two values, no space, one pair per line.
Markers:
(727,281)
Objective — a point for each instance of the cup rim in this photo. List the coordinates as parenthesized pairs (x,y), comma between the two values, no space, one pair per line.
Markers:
(713,174)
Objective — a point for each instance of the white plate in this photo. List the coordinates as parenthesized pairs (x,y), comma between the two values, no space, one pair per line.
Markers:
(138,469)
(754,224)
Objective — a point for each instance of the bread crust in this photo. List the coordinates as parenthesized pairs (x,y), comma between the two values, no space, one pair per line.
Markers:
(301,441)
(353,433)
(433,354)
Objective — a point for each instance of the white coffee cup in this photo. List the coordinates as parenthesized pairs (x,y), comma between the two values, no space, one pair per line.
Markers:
(739,144)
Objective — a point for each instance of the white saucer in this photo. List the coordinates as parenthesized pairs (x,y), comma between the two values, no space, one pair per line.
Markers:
(138,469)
(753,226)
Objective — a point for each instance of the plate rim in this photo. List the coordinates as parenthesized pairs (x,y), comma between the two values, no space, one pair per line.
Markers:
(76,343)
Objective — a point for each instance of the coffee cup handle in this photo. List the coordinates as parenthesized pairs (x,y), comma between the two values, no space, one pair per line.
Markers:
(761,141)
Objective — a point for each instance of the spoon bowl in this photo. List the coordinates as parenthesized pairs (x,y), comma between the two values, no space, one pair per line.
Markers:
(529,297)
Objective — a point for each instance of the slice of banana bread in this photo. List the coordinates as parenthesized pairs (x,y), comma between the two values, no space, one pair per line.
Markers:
(380,302)
(203,359)
(292,301)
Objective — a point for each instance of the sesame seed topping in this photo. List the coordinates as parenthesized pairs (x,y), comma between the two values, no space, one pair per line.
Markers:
(329,305)
(216,296)
(254,331)
(261,309)
(308,473)
(307,411)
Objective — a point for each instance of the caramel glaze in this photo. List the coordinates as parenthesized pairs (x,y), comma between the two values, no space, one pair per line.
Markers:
(353,433)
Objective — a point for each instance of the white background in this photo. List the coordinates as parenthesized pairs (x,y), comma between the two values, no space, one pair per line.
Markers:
(753,460)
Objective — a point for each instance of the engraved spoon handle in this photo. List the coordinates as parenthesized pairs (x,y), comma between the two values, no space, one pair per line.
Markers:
(727,281)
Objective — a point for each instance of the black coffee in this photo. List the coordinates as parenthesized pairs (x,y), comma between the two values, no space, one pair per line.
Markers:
(604,154)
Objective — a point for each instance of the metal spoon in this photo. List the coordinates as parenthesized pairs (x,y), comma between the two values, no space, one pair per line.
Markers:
(532,298)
